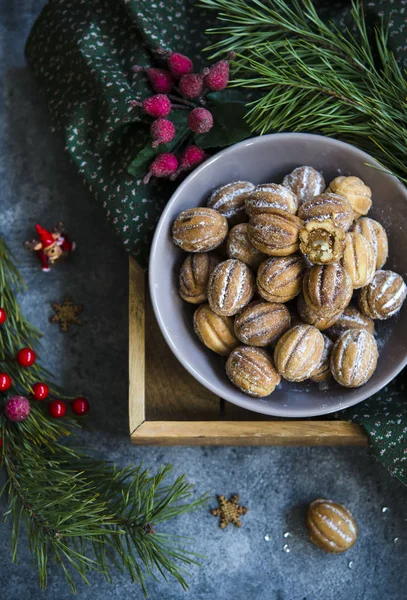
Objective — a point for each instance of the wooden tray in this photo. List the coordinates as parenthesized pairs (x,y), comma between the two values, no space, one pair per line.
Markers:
(168,407)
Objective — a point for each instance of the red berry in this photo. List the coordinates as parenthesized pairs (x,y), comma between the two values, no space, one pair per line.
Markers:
(178,64)
(162,131)
(160,80)
(218,77)
(17,409)
(191,157)
(1,442)
(26,357)
(80,406)
(162,166)
(40,391)
(3,316)
(5,382)
(157,106)
(57,409)
(200,120)
(191,85)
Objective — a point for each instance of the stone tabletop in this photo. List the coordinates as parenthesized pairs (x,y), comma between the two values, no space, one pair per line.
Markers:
(269,558)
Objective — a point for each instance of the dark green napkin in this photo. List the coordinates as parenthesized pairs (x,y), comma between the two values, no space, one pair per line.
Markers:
(82,53)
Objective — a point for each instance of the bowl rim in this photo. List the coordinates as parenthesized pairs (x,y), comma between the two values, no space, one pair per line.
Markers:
(248,404)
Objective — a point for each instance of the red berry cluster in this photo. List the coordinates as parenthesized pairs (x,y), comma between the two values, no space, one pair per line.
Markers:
(188,87)
(18,408)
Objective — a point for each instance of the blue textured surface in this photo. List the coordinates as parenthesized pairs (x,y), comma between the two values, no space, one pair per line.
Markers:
(38,184)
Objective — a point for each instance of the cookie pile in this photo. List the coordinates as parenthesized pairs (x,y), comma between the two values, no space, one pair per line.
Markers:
(274,268)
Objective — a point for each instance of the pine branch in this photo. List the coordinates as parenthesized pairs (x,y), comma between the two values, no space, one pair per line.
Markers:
(310,76)
(82,514)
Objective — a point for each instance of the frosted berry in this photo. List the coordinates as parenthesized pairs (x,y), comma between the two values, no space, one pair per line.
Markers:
(57,409)
(191,157)
(155,106)
(17,409)
(162,131)
(178,64)
(163,165)
(80,406)
(3,316)
(40,391)
(191,85)
(160,80)
(200,120)
(26,357)
(5,382)
(218,77)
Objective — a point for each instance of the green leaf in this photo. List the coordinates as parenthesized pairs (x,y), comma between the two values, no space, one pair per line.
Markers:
(229,127)
(139,166)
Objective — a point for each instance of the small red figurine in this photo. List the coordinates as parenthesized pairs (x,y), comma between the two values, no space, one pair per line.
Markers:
(51,246)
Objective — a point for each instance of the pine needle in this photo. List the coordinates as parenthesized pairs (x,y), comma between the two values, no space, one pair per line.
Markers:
(311,76)
(79,513)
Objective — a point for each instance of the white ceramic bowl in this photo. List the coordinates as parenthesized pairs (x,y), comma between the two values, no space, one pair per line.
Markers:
(267,159)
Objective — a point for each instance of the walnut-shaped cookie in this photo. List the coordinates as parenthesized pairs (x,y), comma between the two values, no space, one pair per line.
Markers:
(279,279)
(194,276)
(351,318)
(298,352)
(331,526)
(261,323)
(328,206)
(359,259)
(215,331)
(231,286)
(375,233)
(275,233)
(323,370)
(354,358)
(327,289)
(305,182)
(252,371)
(229,200)
(355,191)
(319,320)
(384,296)
(268,196)
(321,242)
(240,247)
(199,229)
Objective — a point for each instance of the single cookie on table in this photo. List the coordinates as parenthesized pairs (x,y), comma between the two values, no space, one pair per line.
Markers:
(384,296)
(261,323)
(351,318)
(327,289)
(231,286)
(298,352)
(199,229)
(279,279)
(330,207)
(331,526)
(375,233)
(354,358)
(252,371)
(308,315)
(321,242)
(323,370)
(276,233)
(194,276)
(229,200)
(355,191)
(239,246)
(305,182)
(215,331)
(268,196)
(359,259)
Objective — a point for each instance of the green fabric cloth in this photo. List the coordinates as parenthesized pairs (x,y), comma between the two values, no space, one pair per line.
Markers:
(82,53)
